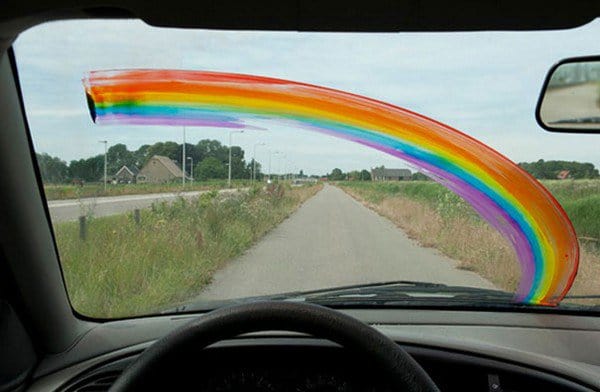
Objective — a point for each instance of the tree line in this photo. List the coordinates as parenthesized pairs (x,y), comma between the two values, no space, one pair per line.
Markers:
(547,170)
(543,170)
(210,159)
(365,175)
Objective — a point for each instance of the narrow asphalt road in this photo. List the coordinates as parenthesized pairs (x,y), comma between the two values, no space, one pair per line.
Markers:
(333,240)
(68,210)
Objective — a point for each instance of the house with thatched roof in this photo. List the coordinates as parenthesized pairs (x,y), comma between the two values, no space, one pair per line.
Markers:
(159,169)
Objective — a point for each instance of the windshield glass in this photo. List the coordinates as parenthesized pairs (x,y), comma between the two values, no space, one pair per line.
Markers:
(184,169)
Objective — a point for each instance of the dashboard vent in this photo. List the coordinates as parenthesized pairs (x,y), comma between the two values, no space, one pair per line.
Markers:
(97,382)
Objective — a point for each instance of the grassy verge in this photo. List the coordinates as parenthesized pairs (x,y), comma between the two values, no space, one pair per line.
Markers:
(125,269)
(61,191)
(437,218)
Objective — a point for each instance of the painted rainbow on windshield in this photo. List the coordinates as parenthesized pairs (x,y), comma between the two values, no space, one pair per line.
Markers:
(512,201)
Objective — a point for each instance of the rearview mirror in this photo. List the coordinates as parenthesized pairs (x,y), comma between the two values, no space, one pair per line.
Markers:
(570,98)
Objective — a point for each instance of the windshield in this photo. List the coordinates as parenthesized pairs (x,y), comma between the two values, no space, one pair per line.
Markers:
(186,169)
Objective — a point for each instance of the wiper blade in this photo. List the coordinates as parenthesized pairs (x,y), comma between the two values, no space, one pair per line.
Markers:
(587,296)
(300,296)
(405,292)
(391,293)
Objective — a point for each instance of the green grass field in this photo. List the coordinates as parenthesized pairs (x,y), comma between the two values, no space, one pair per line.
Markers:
(579,198)
(62,191)
(124,269)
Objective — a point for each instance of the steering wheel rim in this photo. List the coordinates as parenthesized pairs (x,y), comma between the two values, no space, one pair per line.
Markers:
(402,371)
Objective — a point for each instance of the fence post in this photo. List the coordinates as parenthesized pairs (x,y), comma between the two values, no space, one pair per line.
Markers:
(82,228)
(136,216)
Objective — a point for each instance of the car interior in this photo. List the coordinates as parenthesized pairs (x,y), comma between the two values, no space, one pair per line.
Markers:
(268,344)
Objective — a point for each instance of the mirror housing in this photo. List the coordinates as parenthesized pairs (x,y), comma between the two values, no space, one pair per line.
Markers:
(570,97)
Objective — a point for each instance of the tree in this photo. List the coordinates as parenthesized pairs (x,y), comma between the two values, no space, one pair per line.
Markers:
(417,176)
(190,152)
(353,175)
(167,149)
(365,175)
(238,165)
(211,148)
(210,168)
(250,166)
(118,156)
(336,175)
(52,169)
(90,169)
(141,155)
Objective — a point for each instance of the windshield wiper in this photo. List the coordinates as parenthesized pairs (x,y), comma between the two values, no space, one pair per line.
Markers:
(407,293)
(392,293)
(401,293)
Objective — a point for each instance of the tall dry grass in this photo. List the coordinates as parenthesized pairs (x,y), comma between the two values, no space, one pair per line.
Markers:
(464,237)
(124,269)
(454,237)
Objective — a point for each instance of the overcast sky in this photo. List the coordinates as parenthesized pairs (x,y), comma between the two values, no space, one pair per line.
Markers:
(483,83)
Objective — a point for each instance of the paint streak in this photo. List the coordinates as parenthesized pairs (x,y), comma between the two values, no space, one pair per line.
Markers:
(507,197)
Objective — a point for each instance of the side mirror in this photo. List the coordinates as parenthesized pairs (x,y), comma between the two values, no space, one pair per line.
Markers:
(570,97)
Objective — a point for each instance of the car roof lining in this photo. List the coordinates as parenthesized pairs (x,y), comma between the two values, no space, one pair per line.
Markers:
(324,15)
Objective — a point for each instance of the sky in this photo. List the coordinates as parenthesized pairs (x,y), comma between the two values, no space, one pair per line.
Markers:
(483,83)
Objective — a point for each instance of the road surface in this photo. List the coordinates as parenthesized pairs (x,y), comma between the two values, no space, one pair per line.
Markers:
(333,240)
(66,210)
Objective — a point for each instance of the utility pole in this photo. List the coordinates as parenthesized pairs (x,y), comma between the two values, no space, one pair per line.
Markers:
(229,171)
(183,159)
(105,160)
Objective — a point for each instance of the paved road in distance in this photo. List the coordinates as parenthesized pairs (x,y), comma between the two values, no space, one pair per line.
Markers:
(333,240)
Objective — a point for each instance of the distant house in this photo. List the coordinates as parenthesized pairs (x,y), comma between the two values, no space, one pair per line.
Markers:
(159,169)
(563,174)
(126,175)
(383,174)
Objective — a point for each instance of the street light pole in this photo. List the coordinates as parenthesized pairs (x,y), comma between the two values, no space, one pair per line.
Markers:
(105,160)
(254,161)
(191,159)
(229,171)
(183,159)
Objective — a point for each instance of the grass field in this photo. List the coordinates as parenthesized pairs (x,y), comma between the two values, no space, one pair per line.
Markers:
(125,269)
(62,191)
(438,218)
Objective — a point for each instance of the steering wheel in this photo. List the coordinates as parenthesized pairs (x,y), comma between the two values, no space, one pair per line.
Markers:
(401,372)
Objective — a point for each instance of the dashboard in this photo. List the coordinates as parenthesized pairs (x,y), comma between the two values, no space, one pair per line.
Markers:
(307,365)
(462,351)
